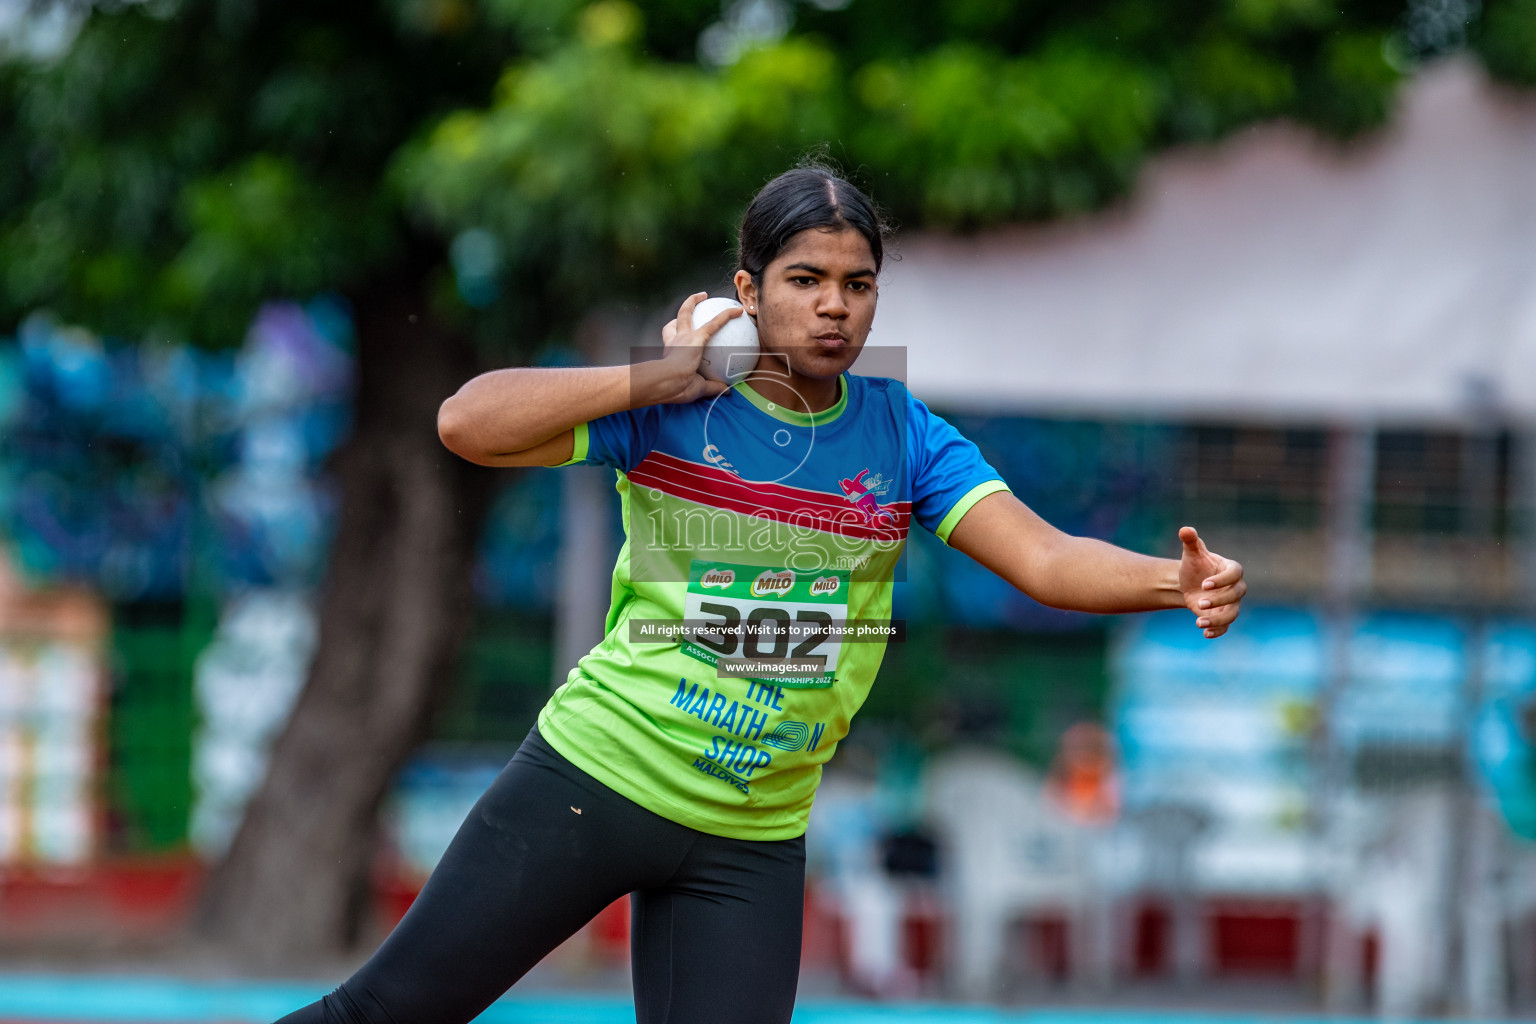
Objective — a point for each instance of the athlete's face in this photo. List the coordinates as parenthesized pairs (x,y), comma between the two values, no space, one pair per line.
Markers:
(816,303)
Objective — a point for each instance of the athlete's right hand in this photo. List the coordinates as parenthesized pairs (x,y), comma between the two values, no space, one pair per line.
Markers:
(678,379)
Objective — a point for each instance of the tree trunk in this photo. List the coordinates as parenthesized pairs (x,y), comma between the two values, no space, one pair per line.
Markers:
(395,609)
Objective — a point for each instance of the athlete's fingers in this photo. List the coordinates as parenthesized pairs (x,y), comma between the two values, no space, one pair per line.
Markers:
(1231,574)
(1214,632)
(1190,538)
(719,320)
(700,335)
(1218,617)
(669,332)
(1223,596)
(1222,616)
(684,319)
(697,337)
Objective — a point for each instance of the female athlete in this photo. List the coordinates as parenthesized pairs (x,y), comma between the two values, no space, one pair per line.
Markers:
(750,603)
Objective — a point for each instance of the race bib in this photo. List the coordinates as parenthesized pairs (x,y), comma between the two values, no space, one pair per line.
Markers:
(775,626)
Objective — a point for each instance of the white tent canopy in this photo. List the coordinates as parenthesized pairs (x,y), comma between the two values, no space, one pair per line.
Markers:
(1277,276)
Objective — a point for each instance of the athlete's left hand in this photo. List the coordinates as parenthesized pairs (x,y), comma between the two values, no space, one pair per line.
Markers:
(1212,586)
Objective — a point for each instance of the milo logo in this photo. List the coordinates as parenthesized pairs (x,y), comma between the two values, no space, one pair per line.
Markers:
(825,585)
(721,578)
(773,584)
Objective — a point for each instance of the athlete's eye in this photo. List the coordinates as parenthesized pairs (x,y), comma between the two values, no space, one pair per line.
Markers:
(802,280)
(859,286)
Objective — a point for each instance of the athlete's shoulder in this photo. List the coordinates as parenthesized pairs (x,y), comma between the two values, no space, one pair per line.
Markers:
(886,389)
(874,383)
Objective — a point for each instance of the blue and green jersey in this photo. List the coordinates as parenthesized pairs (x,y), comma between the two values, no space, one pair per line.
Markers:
(752,597)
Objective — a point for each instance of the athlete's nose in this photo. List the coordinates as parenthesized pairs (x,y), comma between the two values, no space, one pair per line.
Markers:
(832,304)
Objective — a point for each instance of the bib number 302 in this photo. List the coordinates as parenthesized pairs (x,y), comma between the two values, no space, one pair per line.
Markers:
(768,632)
(764,615)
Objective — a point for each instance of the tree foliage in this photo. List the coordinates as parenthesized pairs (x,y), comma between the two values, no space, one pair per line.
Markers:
(179,163)
(1506,40)
(182,160)
(611,161)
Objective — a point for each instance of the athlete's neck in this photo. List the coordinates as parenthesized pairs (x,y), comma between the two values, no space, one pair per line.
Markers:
(799,393)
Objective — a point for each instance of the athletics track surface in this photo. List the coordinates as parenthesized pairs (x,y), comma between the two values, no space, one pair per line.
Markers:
(71,999)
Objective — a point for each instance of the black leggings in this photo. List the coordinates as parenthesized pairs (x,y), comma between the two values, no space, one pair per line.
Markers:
(715,926)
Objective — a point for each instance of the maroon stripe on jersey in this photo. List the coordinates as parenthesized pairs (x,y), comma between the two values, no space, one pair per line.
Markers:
(781,495)
(680,472)
(722,490)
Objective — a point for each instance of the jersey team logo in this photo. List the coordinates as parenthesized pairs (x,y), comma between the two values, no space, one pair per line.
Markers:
(861,495)
(825,585)
(721,578)
(773,584)
(713,457)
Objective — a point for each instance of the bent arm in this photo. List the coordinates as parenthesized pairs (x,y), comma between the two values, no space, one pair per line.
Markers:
(525,416)
(1059,570)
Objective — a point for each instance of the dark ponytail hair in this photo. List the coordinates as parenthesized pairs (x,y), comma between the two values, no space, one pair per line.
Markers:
(810,196)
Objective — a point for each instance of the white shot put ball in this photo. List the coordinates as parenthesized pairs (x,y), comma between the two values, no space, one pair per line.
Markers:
(732,351)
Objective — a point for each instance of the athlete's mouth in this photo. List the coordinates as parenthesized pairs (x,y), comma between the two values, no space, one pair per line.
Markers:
(831,339)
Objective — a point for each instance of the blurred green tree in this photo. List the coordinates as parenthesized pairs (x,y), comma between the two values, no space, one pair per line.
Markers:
(477,175)
(173,167)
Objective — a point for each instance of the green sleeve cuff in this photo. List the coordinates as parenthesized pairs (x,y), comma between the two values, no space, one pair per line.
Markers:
(961,507)
(582,446)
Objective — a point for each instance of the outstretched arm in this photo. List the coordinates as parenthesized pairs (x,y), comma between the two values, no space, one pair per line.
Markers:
(524,416)
(1086,575)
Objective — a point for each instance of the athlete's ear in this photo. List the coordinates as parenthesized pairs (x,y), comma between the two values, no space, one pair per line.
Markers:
(746,292)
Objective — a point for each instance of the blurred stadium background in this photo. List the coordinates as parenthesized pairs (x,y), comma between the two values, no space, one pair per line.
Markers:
(1307,325)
